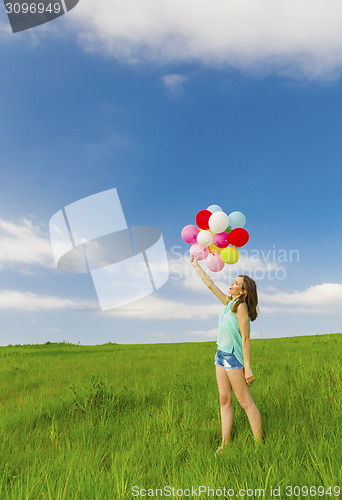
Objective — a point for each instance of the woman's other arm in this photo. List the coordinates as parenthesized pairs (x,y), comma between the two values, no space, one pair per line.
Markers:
(209,282)
(242,316)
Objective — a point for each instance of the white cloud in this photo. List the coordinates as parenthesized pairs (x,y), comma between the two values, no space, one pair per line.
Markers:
(158,334)
(212,334)
(319,299)
(174,83)
(156,307)
(183,273)
(203,333)
(27,301)
(257,335)
(316,295)
(299,39)
(24,243)
(5,30)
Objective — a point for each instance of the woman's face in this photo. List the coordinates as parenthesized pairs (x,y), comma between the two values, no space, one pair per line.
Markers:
(236,286)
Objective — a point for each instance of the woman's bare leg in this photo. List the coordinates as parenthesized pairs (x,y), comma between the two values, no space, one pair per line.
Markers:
(225,391)
(241,389)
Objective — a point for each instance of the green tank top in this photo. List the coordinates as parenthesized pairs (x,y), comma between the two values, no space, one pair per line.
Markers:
(229,336)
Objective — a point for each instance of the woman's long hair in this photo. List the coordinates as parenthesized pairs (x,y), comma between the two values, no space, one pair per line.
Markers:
(250,297)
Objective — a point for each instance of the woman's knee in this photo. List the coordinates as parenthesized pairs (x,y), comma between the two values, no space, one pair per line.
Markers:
(225,399)
(246,403)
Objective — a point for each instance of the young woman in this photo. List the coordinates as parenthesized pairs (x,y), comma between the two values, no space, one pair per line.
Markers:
(232,359)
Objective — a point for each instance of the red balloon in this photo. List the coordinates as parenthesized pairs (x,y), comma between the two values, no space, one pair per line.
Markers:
(202,219)
(238,237)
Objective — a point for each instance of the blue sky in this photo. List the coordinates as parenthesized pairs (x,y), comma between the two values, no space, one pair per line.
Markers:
(86,107)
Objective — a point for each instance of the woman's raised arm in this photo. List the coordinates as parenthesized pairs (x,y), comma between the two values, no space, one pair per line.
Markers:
(209,282)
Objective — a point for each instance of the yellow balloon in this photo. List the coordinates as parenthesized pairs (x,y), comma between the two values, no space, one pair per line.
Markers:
(214,249)
(230,255)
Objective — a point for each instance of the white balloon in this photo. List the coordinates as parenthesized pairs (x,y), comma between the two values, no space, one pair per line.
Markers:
(205,238)
(218,222)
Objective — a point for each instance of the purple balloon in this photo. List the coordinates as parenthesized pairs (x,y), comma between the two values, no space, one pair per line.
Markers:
(189,233)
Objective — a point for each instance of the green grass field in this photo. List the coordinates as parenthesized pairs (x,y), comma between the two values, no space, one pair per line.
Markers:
(92,422)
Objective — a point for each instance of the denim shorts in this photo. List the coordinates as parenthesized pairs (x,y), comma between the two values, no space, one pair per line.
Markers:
(228,361)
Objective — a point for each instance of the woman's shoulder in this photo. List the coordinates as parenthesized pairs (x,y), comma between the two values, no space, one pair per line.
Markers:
(242,308)
(242,305)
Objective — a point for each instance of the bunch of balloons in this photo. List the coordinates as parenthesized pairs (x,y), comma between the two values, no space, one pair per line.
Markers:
(216,237)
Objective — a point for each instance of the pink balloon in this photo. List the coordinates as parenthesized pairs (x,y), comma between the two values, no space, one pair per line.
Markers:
(214,262)
(199,252)
(189,233)
(221,240)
